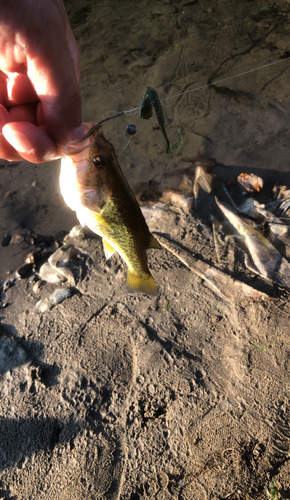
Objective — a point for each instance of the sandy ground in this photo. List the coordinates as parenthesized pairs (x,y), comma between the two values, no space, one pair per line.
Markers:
(185,396)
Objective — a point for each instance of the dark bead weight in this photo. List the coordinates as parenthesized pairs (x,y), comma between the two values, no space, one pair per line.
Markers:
(131,129)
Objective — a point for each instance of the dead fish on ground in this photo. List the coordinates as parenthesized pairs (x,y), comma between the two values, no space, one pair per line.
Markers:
(252,208)
(93,185)
(222,284)
(274,225)
(263,258)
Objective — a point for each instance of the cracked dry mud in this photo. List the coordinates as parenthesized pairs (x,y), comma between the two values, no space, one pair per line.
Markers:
(184,396)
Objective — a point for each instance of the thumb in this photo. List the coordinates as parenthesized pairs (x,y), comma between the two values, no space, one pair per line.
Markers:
(31,142)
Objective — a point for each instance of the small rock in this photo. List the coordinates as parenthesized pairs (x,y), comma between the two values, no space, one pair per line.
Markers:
(33,257)
(6,240)
(163,479)
(7,284)
(151,390)
(38,285)
(143,62)
(29,239)
(9,193)
(49,274)
(55,298)
(16,238)
(75,232)
(264,24)
(23,271)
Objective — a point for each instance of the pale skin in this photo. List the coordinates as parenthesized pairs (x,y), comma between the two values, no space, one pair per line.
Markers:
(40,103)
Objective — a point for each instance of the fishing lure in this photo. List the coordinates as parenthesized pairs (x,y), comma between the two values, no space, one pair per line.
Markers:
(150,101)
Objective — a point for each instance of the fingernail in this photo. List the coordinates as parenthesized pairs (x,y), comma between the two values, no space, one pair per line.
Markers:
(19,141)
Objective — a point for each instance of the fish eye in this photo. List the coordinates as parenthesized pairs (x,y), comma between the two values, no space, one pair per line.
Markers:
(98,161)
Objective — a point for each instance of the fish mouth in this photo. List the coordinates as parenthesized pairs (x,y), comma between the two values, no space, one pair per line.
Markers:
(91,130)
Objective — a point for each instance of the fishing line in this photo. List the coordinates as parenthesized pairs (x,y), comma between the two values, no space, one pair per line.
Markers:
(127,143)
(134,111)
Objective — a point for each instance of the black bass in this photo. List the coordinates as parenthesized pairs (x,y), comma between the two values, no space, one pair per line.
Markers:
(93,185)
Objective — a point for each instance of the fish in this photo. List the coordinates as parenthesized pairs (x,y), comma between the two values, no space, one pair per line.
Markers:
(262,258)
(94,186)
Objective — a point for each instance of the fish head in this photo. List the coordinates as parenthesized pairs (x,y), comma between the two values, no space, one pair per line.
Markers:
(92,166)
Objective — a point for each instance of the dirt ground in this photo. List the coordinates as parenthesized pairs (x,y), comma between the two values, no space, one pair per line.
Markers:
(184,396)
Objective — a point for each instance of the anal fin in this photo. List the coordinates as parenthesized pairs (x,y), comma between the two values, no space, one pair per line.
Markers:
(153,243)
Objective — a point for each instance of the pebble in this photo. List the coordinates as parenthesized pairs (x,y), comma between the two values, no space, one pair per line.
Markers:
(9,193)
(49,274)
(23,271)
(151,390)
(76,232)
(16,238)
(7,284)
(6,240)
(55,298)
(33,257)
(38,285)
(163,479)
(150,320)
(29,239)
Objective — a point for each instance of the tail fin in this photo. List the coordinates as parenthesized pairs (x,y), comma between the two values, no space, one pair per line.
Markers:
(141,284)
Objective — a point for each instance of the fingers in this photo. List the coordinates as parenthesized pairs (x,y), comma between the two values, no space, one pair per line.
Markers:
(29,142)
(53,68)
(39,81)
(6,150)
(23,113)
(74,53)
(19,90)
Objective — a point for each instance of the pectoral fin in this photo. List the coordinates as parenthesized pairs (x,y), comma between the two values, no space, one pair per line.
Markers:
(108,249)
(143,284)
(94,221)
(100,221)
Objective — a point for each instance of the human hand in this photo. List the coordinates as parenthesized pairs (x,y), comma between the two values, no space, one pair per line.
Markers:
(40,103)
